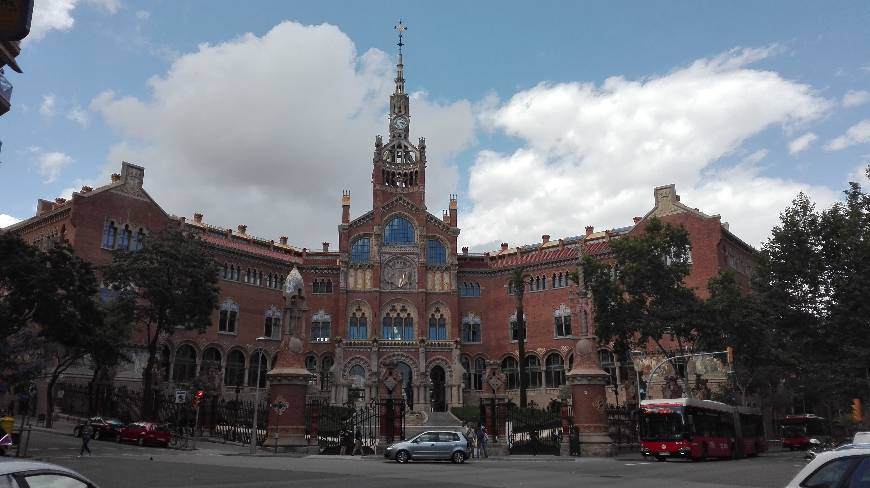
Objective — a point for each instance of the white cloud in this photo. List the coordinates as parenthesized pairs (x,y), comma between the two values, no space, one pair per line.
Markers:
(48,105)
(267,131)
(7,220)
(591,155)
(857,134)
(50,164)
(801,143)
(79,116)
(49,15)
(854,98)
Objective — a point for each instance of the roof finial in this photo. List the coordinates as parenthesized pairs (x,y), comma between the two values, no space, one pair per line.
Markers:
(400,79)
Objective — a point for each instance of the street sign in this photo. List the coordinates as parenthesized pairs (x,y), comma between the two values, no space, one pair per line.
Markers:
(180,396)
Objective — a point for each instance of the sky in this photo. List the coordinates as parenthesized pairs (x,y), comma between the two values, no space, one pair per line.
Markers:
(542,117)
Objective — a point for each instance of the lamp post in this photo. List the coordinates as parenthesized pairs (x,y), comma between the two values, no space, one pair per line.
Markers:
(636,376)
(254,428)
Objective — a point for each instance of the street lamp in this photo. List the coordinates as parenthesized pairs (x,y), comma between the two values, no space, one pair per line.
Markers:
(254,428)
(636,375)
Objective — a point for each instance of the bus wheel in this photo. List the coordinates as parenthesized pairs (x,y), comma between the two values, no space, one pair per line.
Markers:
(661,459)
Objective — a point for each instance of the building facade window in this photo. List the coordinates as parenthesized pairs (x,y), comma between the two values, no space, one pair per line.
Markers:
(110,234)
(235,370)
(321,325)
(360,250)
(605,358)
(398,232)
(513,327)
(229,314)
(311,363)
(562,321)
(211,362)
(358,325)
(471,328)
(138,240)
(126,238)
(533,371)
(436,252)
(258,368)
(466,365)
(322,285)
(477,372)
(184,369)
(326,372)
(554,375)
(398,324)
(468,289)
(437,326)
(272,323)
(511,371)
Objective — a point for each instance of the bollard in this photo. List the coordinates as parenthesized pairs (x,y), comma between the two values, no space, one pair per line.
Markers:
(27,441)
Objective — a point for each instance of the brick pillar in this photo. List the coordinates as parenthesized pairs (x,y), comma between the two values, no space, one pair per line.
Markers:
(587,381)
(390,406)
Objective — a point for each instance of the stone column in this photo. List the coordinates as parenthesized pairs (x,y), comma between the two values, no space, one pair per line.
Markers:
(390,406)
(288,380)
(494,401)
(587,381)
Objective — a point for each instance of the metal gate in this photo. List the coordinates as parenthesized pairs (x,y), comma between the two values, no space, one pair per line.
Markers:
(622,427)
(334,426)
(533,431)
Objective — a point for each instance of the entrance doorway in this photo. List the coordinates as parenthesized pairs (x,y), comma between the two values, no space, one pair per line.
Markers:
(407,385)
(438,396)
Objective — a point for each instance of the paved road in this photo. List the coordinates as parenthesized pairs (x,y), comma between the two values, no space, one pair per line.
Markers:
(216,465)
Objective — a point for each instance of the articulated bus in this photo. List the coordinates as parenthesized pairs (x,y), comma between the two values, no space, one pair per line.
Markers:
(801,431)
(698,429)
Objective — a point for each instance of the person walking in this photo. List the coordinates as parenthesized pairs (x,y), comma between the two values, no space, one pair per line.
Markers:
(87,432)
(472,440)
(482,438)
(357,443)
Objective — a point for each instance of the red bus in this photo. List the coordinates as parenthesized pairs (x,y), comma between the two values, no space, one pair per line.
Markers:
(698,429)
(800,431)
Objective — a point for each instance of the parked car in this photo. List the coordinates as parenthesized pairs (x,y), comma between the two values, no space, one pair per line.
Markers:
(5,442)
(830,469)
(37,473)
(430,445)
(861,438)
(145,433)
(103,428)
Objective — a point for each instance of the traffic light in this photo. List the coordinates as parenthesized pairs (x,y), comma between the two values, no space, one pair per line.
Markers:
(197,397)
(857,410)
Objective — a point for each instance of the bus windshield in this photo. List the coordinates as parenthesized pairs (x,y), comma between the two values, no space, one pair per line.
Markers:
(656,426)
(793,431)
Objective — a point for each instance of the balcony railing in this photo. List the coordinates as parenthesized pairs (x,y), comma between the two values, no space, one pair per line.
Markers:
(5,89)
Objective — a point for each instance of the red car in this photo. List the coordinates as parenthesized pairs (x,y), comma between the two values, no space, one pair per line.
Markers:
(145,433)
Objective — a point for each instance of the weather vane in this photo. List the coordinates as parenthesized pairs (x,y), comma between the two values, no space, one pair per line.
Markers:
(401,28)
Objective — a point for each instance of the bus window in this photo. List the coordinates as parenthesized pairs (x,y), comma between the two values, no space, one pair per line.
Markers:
(662,426)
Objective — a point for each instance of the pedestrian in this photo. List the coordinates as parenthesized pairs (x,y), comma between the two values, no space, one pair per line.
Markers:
(472,440)
(482,438)
(87,431)
(357,443)
(342,442)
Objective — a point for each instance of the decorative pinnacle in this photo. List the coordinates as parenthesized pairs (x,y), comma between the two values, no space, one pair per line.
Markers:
(401,28)
(400,78)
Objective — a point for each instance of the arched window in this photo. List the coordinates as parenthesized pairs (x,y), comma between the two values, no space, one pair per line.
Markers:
(138,240)
(110,233)
(466,365)
(359,324)
(533,371)
(605,358)
(126,237)
(226,271)
(562,321)
(360,250)
(259,362)
(184,369)
(514,328)
(321,324)
(357,371)
(165,362)
(399,231)
(311,363)
(476,289)
(211,361)
(511,371)
(398,324)
(436,253)
(229,314)
(477,373)
(235,371)
(325,374)
(471,328)
(272,323)
(554,376)
(555,285)
(437,326)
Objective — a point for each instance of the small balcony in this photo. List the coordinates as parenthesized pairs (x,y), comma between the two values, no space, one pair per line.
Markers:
(5,94)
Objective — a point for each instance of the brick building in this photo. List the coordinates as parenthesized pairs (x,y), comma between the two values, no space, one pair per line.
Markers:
(396,288)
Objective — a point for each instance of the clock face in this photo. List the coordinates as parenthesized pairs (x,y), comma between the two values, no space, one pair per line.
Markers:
(400,122)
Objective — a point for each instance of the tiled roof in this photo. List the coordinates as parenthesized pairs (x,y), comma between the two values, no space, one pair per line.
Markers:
(250,248)
(533,258)
(595,248)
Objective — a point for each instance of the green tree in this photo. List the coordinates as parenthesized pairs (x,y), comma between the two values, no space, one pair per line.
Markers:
(518,283)
(105,348)
(173,282)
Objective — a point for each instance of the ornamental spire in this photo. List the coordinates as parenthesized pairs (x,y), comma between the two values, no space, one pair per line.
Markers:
(400,79)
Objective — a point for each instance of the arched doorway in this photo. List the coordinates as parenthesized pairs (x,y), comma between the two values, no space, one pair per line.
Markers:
(407,383)
(438,394)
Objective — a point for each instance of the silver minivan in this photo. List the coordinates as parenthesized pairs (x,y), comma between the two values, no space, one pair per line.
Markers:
(430,445)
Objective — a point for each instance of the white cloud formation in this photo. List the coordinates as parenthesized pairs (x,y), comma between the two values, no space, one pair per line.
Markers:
(267,131)
(50,164)
(47,107)
(49,15)
(591,155)
(801,143)
(7,220)
(854,98)
(857,134)
(79,116)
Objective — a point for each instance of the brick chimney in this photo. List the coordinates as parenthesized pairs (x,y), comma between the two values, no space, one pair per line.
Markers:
(589,230)
(545,238)
(87,189)
(504,246)
(464,250)
(59,201)
(43,206)
(445,216)
(243,229)
(454,213)
(197,217)
(325,246)
(116,177)
(561,243)
(182,220)
(283,240)
(637,220)
(345,207)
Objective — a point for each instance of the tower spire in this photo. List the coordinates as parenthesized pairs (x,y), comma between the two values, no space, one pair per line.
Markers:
(400,78)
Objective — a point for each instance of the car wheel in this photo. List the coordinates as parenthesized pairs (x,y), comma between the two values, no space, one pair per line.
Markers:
(458,457)
(402,457)
(140,441)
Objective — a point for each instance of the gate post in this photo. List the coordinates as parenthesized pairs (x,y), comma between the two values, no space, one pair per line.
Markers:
(390,406)
(493,399)
(587,381)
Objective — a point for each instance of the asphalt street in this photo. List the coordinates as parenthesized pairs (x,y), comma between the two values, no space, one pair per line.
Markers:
(225,465)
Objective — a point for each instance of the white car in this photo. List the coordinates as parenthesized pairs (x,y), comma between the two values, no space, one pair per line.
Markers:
(861,438)
(36,474)
(848,468)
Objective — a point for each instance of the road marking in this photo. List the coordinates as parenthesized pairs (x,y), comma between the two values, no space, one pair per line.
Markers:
(630,464)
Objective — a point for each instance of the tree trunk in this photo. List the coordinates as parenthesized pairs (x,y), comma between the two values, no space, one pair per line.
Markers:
(521,346)
(49,399)
(92,392)
(147,379)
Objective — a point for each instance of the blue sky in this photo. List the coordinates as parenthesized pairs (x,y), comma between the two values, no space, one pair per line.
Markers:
(542,119)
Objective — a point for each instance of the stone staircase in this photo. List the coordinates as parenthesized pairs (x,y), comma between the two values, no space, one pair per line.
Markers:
(415,424)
